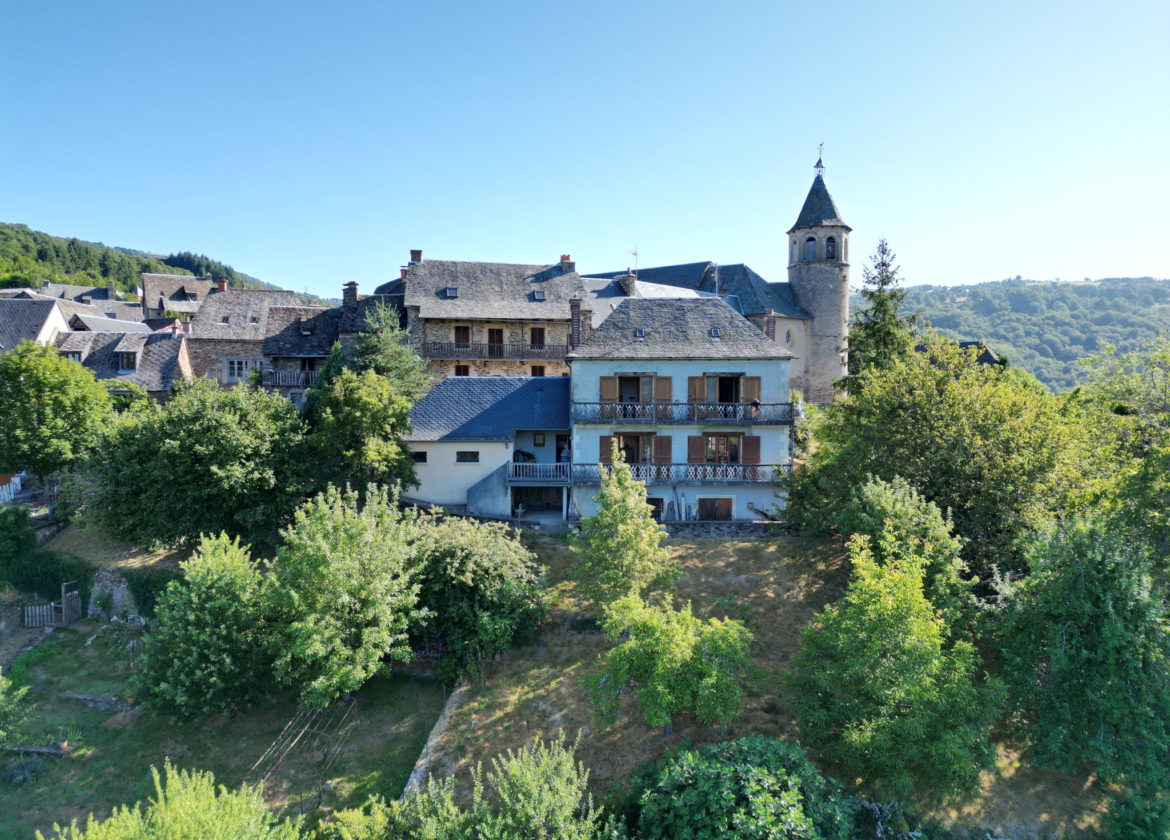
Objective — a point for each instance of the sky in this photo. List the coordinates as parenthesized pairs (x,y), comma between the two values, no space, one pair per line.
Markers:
(313,144)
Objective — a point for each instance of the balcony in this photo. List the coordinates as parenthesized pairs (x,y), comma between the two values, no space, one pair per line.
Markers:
(518,351)
(289,378)
(539,474)
(678,413)
(709,474)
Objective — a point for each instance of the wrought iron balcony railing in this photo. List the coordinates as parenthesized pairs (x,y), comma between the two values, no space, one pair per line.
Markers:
(473,350)
(680,413)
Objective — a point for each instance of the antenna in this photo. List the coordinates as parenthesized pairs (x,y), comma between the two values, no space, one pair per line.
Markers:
(634,254)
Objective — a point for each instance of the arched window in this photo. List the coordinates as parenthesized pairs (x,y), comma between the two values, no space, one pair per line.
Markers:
(810,249)
(788,336)
(831,248)
(793,258)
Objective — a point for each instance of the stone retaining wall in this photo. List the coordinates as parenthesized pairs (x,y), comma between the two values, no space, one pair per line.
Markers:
(702,530)
(121,602)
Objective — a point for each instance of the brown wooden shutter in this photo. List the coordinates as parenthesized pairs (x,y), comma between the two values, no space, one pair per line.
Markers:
(662,449)
(749,449)
(696,449)
(662,388)
(609,389)
(751,388)
(606,444)
(696,389)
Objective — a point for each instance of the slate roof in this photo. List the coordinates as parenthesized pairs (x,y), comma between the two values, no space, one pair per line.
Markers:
(607,294)
(284,332)
(677,329)
(353,319)
(158,356)
(170,291)
(490,408)
(818,208)
(98,324)
(65,291)
(245,311)
(121,309)
(21,319)
(498,291)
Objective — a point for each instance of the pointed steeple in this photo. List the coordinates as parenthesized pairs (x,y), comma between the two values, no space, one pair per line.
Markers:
(819,209)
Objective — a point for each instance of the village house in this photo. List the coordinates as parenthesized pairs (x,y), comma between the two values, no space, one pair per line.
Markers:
(154,361)
(170,295)
(297,341)
(227,333)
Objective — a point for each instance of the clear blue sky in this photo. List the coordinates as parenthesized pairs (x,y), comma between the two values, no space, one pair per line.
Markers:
(311,144)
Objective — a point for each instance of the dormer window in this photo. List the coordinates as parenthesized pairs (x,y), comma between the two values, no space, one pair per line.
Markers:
(306,330)
(538,294)
(191,297)
(713,332)
(73,355)
(255,319)
(452,292)
(639,333)
(831,248)
(810,249)
(225,319)
(127,361)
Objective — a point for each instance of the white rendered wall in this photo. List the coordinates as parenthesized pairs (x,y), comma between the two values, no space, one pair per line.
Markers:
(761,497)
(442,481)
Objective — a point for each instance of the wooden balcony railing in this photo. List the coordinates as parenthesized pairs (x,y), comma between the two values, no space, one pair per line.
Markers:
(723,474)
(539,473)
(453,350)
(678,413)
(289,378)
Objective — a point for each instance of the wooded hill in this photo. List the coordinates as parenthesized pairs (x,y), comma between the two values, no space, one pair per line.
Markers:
(29,258)
(1045,326)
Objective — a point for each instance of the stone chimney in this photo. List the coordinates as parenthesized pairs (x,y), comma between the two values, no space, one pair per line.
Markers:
(111,292)
(567,264)
(628,283)
(349,296)
(723,290)
(221,284)
(574,321)
(415,256)
(770,324)
(402,273)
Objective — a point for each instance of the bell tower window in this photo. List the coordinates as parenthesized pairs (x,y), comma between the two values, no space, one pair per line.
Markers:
(810,249)
(831,248)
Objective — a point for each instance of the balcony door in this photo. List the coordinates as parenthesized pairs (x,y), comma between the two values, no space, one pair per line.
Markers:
(536,338)
(463,337)
(495,343)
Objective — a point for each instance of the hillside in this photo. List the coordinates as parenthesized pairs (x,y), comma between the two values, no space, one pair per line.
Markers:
(1045,326)
(31,258)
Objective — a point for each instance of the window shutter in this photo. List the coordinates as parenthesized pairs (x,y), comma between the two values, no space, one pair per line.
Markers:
(609,389)
(749,449)
(662,388)
(662,449)
(696,449)
(606,443)
(696,389)
(751,388)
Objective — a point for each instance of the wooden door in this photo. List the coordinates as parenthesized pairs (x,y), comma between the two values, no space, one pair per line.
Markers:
(536,338)
(496,343)
(462,336)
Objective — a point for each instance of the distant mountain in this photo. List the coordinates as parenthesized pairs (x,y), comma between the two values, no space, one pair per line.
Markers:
(1045,326)
(31,258)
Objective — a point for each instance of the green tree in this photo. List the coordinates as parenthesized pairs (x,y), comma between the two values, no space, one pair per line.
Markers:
(1086,646)
(755,788)
(209,648)
(188,806)
(208,461)
(384,347)
(879,332)
(674,662)
(360,420)
(479,585)
(620,548)
(348,592)
(13,710)
(880,692)
(991,446)
(52,410)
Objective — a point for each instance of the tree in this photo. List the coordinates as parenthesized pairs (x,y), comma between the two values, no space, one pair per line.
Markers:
(879,332)
(479,585)
(209,648)
(12,710)
(360,420)
(208,461)
(385,349)
(348,592)
(755,788)
(1086,646)
(188,806)
(991,446)
(882,693)
(52,410)
(619,549)
(674,662)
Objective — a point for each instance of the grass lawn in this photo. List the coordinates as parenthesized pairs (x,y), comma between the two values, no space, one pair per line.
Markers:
(775,586)
(110,752)
(105,552)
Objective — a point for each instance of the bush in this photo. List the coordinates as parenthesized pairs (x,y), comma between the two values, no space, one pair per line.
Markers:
(147,585)
(188,807)
(27,568)
(209,648)
(480,585)
(755,787)
(12,709)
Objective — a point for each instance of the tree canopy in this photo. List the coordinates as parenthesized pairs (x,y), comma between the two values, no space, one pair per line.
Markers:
(879,332)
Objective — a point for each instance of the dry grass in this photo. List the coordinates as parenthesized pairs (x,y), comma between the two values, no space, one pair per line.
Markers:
(105,552)
(775,586)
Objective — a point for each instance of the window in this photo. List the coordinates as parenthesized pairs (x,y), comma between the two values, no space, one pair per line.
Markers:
(237,369)
(538,370)
(793,258)
(810,249)
(639,333)
(713,332)
(191,297)
(297,398)
(788,336)
(467,457)
(73,356)
(830,248)
(538,438)
(127,361)
(452,292)
(419,457)
(225,319)
(536,338)
(463,336)
(538,294)
(722,449)
(255,319)
(463,370)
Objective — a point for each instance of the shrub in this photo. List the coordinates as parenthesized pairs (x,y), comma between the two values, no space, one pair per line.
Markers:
(755,787)
(147,585)
(12,709)
(28,568)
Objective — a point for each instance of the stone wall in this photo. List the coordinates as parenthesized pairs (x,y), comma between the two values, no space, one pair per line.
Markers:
(207,355)
(109,585)
(822,288)
(724,530)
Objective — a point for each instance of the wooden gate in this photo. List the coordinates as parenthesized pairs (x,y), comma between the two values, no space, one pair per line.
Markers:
(56,614)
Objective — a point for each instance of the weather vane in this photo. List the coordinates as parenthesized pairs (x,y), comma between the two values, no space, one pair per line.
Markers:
(820,167)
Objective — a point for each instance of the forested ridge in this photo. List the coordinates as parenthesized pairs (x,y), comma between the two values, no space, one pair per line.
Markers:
(1046,326)
(30,258)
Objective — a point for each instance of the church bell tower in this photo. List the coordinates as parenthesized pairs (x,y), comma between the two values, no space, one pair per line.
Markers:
(818,272)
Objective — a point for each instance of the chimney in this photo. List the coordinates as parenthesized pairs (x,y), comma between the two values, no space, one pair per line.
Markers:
(723,290)
(770,324)
(111,293)
(221,284)
(574,321)
(349,296)
(176,327)
(628,283)
(402,273)
(567,264)
(415,256)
